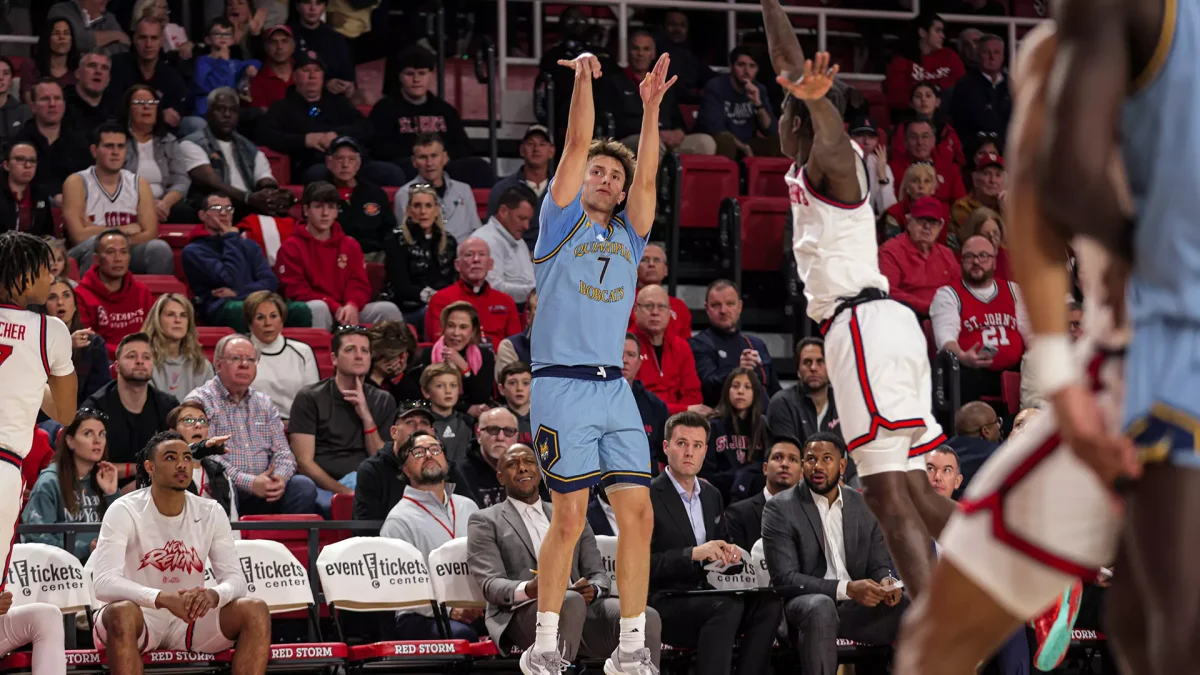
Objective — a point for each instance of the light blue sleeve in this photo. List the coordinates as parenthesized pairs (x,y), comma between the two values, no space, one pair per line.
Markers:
(555,223)
(637,243)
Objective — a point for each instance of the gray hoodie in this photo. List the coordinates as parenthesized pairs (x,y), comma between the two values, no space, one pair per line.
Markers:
(176,377)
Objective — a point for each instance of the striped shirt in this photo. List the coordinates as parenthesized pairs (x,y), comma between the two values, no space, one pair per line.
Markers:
(255,430)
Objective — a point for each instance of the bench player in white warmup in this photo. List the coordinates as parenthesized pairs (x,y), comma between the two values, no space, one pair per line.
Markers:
(874,348)
(149,566)
(35,351)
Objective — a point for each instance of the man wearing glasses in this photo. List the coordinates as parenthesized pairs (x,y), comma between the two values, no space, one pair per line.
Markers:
(915,264)
(981,320)
(24,206)
(668,366)
(496,432)
(427,516)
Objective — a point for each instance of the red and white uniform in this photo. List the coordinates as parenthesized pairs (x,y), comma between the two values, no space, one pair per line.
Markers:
(111,209)
(141,552)
(993,317)
(33,347)
(1035,517)
(875,351)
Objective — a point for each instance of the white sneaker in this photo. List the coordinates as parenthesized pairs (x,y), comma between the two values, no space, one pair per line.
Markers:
(637,663)
(543,663)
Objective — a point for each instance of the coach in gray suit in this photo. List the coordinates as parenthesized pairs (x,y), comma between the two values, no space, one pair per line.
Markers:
(503,541)
(820,537)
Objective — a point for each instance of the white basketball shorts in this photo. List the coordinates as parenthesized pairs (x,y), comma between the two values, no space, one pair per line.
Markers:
(878,365)
(164,630)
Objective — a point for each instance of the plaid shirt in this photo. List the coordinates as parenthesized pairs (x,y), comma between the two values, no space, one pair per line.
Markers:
(255,430)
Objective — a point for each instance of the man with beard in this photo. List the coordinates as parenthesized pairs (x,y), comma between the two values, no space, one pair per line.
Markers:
(503,543)
(427,516)
(149,567)
(821,537)
(782,470)
(136,410)
(807,408)
(496,431)
(981,321)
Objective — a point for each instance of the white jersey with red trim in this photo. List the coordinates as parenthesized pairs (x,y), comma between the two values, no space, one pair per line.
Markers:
(33,346)
(111,209)
(837,255)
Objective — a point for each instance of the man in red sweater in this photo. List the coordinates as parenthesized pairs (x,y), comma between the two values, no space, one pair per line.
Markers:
(109,299)
(498,317)
(913,262)
(668,366)
(653,270)
(920,143)
(323,268)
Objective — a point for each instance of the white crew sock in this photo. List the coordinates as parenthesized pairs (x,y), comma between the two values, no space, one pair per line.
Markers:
(633,633)
(546,632)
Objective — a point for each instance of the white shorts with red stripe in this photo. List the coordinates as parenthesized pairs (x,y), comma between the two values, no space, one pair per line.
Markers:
(12,486)
(878,366)
(163,630)
(1035,517)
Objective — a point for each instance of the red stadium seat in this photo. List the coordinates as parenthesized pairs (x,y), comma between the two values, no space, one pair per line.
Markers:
(764,176)
(320,340)
(764,221)
(296,190)
(72,269)
(689,113)
(210,336)
(481,201)
(281,165)
(377,275)
(175,235)
(706,181)
(391,193)
(341,508)
(1010,390)
(161,284)
(296,541)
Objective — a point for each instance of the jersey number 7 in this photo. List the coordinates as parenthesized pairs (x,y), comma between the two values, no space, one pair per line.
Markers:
(603,271)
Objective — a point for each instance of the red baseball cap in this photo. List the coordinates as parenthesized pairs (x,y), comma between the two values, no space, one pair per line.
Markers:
(985,159)
(928,208)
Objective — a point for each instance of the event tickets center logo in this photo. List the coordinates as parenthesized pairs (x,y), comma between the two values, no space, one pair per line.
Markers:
(272,574)
(380,570)
(48,576)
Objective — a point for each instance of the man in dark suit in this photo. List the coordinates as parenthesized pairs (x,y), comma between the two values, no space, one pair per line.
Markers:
(821,537)
(600,516)
(783,469)
(689,533)
(504,540)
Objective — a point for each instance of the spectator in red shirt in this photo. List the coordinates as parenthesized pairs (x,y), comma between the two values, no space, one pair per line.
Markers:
(914,263)
(497,310)
(272,82)
(109,299)
(925,60)
(925,104)
(322,267)
(920,143)
(653,270)
(668,366)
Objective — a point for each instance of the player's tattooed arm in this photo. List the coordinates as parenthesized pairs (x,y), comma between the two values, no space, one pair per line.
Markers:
(787,57)
(832,164)
(581,123)
(1087,87)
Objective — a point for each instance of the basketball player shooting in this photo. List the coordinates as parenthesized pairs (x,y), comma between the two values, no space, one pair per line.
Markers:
(588,429)
(874,347)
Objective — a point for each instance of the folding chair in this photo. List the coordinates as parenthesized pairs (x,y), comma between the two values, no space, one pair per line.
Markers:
(368,574)
(274,576)
(759,558)
(608,554)
(454,587)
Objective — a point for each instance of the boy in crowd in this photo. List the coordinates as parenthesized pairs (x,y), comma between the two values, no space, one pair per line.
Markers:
(514,382)
(441,384)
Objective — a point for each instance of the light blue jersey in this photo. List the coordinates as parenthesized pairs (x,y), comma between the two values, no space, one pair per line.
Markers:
(586,282)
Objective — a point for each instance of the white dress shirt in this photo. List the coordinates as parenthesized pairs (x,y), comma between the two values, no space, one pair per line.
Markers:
(835,542)
(537,525)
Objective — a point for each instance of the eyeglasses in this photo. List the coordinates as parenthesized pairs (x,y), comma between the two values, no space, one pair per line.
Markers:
(996,422)
(654,307)
(496,431)
(223,208)
(27,161)
(92,412)
(144,102)
(981,257)
(193,421)
(426,451)
(239,360)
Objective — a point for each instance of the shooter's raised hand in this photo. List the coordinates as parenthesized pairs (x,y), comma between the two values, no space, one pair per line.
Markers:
(816,80)
(656,84)
(584,65)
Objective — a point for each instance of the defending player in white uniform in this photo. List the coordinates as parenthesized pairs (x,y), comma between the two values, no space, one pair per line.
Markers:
(35,352)
(149,566)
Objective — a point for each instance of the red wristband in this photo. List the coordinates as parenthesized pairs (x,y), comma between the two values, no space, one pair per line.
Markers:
(370,431)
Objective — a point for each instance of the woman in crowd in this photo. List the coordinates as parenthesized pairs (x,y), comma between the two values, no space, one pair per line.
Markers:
(55,56)
(988,223)
(738,437)
(393,347)
(179,363)
(920,180)
(420,255)
(78,486)
(926,104)
(459,346)
(284,365)
(88,351)
(152,153)
(13,113)
(247,25)
(208,475)
(175,37)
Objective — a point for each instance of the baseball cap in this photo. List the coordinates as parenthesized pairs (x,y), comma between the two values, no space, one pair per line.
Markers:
(865,125)
(929,208)
(537,129)
(417,407)
(344,142)
(986,159)
(307,57)
(279,27)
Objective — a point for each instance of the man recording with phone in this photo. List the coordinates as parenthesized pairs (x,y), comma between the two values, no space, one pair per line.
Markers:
(981,320)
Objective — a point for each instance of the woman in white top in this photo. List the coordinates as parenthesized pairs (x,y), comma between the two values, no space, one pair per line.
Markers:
(284,365)
(179,363)
(151,153)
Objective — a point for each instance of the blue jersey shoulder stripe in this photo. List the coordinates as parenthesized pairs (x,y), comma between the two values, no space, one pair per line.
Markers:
(570,235)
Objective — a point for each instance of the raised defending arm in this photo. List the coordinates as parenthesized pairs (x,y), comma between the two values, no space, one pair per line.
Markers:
(832,165)
(581,122)
(787,57)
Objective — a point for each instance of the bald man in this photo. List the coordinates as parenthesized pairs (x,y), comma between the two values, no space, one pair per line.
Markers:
(498,317)
(976,437)
(668,367)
